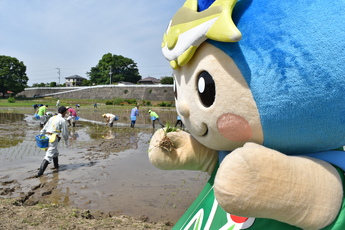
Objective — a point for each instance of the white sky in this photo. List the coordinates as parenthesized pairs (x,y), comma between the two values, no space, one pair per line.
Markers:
(73,35)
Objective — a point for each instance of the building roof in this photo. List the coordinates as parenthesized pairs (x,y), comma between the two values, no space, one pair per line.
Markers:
(150,79)
(75,77)
(125,83)
(7,92)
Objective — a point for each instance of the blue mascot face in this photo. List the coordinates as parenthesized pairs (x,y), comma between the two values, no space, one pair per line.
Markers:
(270,72)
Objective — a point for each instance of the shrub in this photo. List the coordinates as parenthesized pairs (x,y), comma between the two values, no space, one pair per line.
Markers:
(11,100)
(131,101)
(163,104)
(167,80)
(166,104)
(109,102)
(118,101)
(124,103)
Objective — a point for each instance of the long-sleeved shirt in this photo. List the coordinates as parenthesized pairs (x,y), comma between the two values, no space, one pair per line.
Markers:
(57,124)
(109,115)
(72,112)
(134,112)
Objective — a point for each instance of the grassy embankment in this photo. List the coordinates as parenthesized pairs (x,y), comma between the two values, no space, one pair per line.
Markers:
(85,103)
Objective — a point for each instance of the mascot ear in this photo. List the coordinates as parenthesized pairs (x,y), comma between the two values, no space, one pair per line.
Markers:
(204,4)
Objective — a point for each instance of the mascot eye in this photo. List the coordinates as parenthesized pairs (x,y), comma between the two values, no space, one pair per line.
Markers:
(175,90)
(206,89)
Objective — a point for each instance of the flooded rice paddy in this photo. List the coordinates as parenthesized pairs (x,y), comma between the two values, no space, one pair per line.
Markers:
(104,169)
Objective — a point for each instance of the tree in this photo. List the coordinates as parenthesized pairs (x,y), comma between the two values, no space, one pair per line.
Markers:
(114,68)
(86,83)
(12,75)
(39,84)
(167,80)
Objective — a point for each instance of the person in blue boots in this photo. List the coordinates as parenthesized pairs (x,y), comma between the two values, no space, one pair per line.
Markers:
(154,117)
(134,114)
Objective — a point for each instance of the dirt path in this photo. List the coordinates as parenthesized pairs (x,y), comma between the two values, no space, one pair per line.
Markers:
(42,216)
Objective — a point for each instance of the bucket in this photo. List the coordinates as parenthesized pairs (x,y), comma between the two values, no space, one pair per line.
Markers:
(153,118)
(42,141)
(36,116)
(76,118)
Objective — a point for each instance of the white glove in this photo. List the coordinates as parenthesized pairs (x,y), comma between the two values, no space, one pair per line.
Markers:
(187,153)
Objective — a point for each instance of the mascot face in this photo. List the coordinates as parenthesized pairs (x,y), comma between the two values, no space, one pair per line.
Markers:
(215,101)
(256,71)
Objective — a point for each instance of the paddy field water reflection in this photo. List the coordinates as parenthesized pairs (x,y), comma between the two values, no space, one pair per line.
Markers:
(104,168)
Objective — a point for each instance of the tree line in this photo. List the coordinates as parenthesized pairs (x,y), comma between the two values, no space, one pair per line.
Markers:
(109,70)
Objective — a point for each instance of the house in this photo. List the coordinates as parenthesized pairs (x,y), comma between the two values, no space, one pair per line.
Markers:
(74,80)
(125,83)
(7,94)
(149,81)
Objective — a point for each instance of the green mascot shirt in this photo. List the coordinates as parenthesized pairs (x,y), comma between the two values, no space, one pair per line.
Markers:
(206,214)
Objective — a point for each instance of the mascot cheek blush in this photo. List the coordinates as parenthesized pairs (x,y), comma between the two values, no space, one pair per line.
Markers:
(260,87)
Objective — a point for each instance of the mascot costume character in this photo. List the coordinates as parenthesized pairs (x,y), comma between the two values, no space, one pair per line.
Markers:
(260,88)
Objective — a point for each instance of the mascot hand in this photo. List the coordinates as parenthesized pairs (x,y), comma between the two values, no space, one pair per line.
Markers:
(185,152)
(261,182)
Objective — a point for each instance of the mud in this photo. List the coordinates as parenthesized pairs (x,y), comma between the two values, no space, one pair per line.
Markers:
(104,170)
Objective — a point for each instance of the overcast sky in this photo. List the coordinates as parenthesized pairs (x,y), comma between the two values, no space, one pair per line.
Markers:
(73,35)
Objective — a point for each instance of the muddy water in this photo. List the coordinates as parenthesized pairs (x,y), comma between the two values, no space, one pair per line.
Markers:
(166,115)
(103,168)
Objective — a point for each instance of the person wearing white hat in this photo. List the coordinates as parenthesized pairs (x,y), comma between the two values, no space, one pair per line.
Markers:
(110,118)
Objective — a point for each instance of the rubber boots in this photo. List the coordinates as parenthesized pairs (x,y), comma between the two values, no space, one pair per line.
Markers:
(42,167)
(73,124)
(56,162)
(69,123)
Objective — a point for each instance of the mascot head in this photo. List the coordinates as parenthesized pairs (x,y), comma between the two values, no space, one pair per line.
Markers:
(265,71)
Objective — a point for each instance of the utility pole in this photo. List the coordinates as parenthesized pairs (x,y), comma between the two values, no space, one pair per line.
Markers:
(59,74)
(110,72)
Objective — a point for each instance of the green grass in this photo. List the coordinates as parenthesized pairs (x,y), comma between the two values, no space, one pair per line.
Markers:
(84,103)
(51,102)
